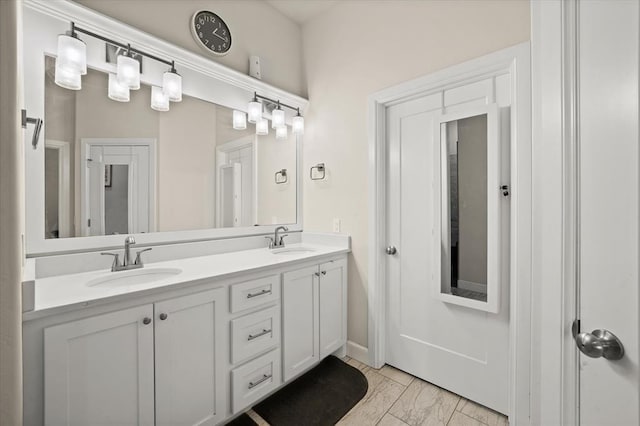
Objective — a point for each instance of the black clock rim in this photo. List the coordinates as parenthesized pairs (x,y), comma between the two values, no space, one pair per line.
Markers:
(193,23)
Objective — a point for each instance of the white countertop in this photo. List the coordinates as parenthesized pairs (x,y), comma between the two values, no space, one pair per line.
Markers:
(72,291)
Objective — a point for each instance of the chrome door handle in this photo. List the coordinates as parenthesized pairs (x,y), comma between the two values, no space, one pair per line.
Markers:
(600,343)
(391,250)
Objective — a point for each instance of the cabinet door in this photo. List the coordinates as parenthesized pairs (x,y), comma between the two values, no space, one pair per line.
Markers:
(189,338)
(333,306)
(300,320)
(99,370)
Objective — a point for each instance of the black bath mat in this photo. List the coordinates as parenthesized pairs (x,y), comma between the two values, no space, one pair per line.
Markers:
(242,420)
(320,397)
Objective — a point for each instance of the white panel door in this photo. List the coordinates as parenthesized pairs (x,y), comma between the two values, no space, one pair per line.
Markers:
(300,316)
(99,370)
(455,347)
(608,197)
(333,306)
(188,350)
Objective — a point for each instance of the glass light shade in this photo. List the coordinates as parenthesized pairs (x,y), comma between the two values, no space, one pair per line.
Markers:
(72,54)
(262,127)
(297,125)
(239,120)
(68,78)
(128,70)
(172,86)
(281,132)
(118,91)
(254,111)
(277,118)
(159,99)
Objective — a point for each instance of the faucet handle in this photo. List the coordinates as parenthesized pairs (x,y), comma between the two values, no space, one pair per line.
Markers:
(282,239)
(270,241)
(138,260)
(116,259)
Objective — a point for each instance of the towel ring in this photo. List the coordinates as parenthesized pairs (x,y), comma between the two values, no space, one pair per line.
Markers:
(320,168)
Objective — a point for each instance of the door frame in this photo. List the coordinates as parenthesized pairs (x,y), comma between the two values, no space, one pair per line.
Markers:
(82,202)
(515,61)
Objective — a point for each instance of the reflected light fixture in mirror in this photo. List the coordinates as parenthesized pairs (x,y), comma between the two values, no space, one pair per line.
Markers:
(67,78)
(277,117)
(128,70)
(159,99)
(239,120)
(117,91)
(172,84)
(281,132)
(262,127)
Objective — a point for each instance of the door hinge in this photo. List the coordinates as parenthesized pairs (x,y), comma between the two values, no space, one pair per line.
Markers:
(575,328)
(89,223)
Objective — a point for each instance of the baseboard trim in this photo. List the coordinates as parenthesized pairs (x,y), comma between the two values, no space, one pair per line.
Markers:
(358,352)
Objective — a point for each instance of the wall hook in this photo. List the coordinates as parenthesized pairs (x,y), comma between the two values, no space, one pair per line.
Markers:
(283,176)
(321,171)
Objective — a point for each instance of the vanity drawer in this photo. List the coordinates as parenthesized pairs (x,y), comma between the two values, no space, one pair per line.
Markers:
(254,293)
(255,333)
(254,380)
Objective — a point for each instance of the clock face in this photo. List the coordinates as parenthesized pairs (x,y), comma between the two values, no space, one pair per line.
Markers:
(211,32)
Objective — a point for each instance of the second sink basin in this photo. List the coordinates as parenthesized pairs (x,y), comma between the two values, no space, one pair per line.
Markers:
(133,277)
(293,250)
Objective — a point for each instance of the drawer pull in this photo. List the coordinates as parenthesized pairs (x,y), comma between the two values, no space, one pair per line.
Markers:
(255,336)
(260,293)
(264,379)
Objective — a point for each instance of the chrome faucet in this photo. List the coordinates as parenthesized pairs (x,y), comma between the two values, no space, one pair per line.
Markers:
(126,262)
(277,240)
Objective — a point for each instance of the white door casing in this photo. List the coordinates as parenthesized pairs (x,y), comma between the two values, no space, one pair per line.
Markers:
(512,65)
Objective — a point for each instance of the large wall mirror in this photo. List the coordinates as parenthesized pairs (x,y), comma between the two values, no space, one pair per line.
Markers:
(123,168)
(469,240)
(103,169)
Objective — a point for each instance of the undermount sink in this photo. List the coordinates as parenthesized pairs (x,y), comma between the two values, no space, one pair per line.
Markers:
(292,250)
(134,277)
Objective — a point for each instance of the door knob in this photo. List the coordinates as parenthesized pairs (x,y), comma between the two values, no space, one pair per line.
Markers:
(391,250)
(600,343)
(163,316)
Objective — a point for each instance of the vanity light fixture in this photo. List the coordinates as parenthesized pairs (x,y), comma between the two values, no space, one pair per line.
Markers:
(239,120)
(297,124)
(254,110)
(71,64)
(172,84)
(128,70)
(117,91)
(281,132)
(262,127)
(277,117)
(159,99)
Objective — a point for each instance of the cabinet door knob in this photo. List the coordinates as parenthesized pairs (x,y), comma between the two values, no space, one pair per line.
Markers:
(324,272)
(317,274)
(163,316)
(146,321)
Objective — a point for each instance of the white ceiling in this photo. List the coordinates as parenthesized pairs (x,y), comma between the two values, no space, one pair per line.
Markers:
(302,10)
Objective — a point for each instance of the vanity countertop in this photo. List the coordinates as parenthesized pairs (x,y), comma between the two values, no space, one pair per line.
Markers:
(66,292)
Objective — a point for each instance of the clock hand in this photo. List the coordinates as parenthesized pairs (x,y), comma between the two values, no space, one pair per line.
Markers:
(220,37)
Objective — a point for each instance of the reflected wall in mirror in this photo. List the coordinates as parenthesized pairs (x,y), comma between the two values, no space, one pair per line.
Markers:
(120,168)
(467,190)
(469,237)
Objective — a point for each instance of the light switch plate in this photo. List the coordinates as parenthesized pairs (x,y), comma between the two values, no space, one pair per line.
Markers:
(336,225)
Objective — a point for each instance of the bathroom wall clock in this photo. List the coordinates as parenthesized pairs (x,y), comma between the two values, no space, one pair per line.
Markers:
(211,32)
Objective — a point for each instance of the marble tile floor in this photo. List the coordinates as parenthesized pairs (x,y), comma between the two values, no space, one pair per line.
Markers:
(396,398)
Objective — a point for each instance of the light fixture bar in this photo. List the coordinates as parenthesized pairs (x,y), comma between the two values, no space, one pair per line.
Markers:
(274,101)
(75,28)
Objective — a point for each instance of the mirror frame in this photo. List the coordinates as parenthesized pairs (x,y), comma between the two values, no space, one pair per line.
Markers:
(202,78)
(441,208)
